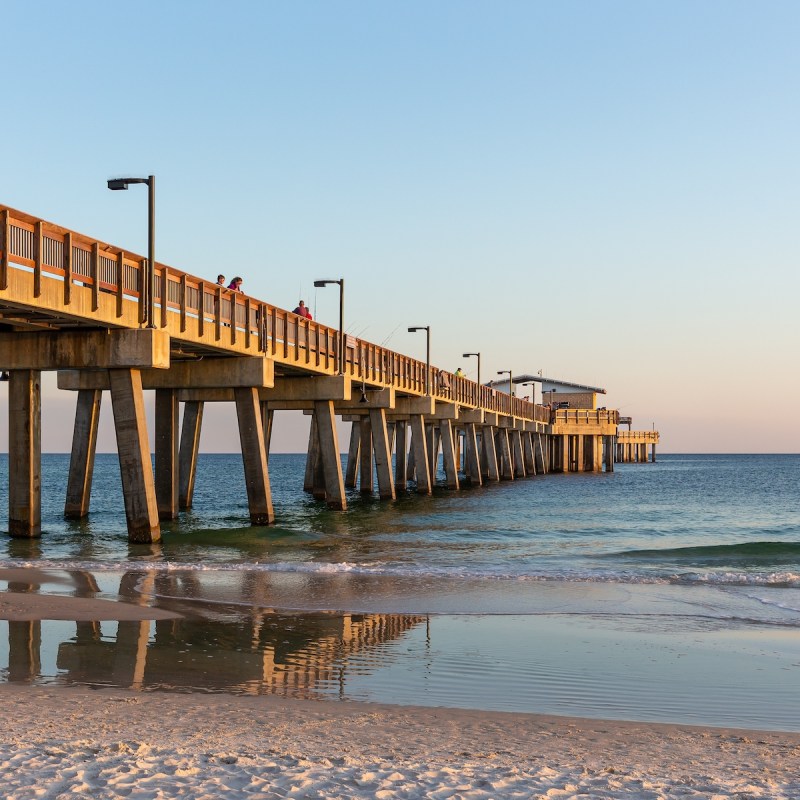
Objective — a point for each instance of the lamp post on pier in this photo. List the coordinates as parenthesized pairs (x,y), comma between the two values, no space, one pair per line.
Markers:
(117,184)
(427,329)
(533,390)
(341,353)
(510,387)
(467,355)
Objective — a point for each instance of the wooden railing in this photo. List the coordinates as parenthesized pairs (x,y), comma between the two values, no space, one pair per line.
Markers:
(238,322)
(639,437)
(585,416)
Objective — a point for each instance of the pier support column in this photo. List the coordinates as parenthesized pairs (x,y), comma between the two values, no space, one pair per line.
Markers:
(566,455)
(188,452)
(254,456)
(580,454)
(352,456)
(527,447)
(597,452)
(383,453)
(420,445)
(539,454)
(166,441)
(136,469)
(653,453)
(490,453)
(267,418)
(434,438)
(449,454)
(519,462)
(472,465)
(366,464)
(411,469)
(400,455)
(504,455)
(84,445)
(608,453)
(312,456)
(329,454)
(25,453)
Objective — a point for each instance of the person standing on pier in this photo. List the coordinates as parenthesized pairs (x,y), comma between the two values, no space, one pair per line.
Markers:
(302,311)
(236,284)
(220,280)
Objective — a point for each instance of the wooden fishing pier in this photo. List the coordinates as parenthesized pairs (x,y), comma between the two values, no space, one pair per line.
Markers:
(81,307)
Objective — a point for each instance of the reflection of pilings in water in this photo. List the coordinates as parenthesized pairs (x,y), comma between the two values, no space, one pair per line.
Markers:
(267,653)
(290,655)
(24,646)
(24,641)
(327,659)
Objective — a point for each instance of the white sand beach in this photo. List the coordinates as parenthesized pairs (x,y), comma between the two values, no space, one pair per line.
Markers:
(76,742)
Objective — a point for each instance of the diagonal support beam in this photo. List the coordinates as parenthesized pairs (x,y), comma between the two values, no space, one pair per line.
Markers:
(84,446)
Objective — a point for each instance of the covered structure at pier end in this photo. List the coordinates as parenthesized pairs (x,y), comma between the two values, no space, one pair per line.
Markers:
(553,392)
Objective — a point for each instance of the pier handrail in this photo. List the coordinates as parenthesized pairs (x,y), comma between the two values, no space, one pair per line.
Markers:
(585,416)
(639,436)
(240,323)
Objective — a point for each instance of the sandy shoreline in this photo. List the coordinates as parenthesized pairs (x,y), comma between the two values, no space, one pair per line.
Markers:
(115,743)
(80,742)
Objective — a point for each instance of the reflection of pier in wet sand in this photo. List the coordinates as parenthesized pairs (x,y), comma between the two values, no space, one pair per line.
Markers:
(260,652)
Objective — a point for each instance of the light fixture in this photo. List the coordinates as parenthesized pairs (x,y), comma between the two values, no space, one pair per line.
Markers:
(118,184)
(341,352)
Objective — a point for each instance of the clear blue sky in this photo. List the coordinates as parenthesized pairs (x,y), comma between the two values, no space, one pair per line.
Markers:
(607,191)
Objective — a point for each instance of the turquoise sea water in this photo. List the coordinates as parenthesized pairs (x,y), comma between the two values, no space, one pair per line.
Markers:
(667,591)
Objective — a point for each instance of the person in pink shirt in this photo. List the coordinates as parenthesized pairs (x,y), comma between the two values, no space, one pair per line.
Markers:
(302,311)
(236,284)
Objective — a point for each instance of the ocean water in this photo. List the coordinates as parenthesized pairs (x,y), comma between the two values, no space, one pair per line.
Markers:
(666,591)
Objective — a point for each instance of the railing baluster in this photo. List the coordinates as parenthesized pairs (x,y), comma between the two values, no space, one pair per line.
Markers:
(67,268)
(201,308)
(142,278)
(94,269)
(120,288)
(164,295)
(5,229)
(218,315)
(37,259)
(183,302)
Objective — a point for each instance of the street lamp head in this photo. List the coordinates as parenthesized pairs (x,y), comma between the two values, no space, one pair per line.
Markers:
(115,184)
(320,284)
(467,355)
(419,328)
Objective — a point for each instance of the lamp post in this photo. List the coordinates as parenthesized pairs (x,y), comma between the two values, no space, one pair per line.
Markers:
(551,392)
(427,329)
(467,355)
(510,379)
(117,184)
(510,386)
(533,390)
(341,353)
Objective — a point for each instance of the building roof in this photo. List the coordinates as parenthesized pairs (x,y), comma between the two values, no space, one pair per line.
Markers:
(564,385)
